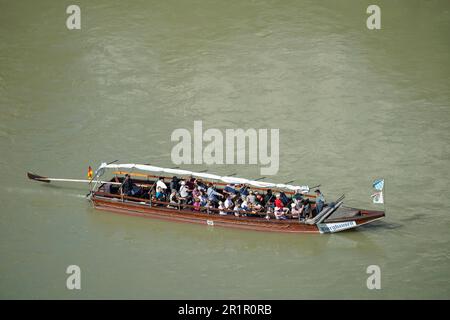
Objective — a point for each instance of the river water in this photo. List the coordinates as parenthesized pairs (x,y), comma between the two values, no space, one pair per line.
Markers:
(351,104)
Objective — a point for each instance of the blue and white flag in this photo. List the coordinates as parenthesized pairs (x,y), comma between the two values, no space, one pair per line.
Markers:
(378,184)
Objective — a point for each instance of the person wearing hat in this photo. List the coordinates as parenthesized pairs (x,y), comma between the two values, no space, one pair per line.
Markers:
(251,198)
(184,191)
(279,205)
(320,201)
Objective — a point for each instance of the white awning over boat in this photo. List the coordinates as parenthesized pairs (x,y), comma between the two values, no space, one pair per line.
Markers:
(235,180)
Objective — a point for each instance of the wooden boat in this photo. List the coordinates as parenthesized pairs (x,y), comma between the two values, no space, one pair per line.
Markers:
(106,195)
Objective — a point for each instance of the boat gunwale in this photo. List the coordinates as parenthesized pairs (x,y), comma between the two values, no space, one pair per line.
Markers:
(370,215)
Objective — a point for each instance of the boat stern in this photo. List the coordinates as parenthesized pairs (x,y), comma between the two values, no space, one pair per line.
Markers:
(364,217)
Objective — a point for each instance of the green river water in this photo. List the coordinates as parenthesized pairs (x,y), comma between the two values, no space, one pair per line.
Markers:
(352,105)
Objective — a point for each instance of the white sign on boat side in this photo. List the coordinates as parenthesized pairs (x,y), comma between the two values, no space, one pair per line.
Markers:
(335,227)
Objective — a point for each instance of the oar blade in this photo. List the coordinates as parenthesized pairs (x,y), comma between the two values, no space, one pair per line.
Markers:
(35,177)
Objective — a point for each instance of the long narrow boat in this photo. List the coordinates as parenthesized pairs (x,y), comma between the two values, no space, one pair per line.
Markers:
(105,194)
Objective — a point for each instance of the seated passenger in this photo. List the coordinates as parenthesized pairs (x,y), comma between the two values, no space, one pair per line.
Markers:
(269,211)
(306,209)
(173,199)
(160,183)
(175,183)
(269,197)
(284,198)
(196,193)
(258,206)
(244,191)
(184,191)
(201,186)
(213,194)
(237,210)
(298,195)
(127,185)
(280,205)
(197,204)
(159,194)
(221,208)
(320,201)
(203,199)
(296,210)
(259,199)
(251,198)
(228,202)
(190,184)
(208,207)
(244,206)
(279,214)
(231,190)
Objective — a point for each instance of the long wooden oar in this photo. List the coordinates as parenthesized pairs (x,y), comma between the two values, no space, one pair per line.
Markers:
(35,177)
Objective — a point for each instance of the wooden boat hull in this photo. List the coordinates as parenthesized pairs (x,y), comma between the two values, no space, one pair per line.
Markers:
(248,223)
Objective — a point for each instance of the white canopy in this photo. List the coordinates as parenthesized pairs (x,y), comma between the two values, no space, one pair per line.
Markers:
(235,180)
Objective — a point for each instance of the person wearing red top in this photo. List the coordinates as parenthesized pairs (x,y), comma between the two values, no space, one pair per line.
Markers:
(280,210)
(278,203)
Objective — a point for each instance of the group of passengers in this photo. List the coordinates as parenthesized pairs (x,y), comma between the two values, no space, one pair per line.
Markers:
(238,200)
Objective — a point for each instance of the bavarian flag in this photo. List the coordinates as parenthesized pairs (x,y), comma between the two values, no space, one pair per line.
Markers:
(378,184)
(89,173)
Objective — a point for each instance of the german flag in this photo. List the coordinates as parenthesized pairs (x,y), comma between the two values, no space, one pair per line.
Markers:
(89,173)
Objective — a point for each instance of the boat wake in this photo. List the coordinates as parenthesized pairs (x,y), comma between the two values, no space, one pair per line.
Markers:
(58,192)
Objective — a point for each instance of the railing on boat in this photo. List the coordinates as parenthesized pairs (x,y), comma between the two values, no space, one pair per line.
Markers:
(213,182)
(178,206)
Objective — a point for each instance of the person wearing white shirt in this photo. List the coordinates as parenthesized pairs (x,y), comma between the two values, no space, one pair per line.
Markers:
(228,202)
(160,183)
(221,208)
(184,190)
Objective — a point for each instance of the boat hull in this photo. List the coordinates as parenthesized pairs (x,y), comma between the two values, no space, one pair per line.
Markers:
(248,223)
